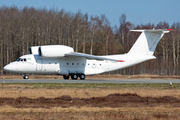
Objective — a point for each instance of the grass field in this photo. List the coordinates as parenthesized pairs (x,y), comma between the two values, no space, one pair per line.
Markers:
(89,101)
(82,90)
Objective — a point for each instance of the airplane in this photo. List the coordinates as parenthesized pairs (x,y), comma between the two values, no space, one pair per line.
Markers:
(62,60)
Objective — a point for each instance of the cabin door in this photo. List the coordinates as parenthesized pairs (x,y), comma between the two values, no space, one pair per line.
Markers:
(39,65)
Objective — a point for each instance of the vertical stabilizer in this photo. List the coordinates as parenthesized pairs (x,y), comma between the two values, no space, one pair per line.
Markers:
(147,41)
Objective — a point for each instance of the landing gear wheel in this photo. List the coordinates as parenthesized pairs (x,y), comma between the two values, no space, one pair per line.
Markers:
(26,77)
(66,77)
(82,76)
(74,76)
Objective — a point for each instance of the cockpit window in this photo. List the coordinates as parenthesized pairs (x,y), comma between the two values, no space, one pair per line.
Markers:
(21,59)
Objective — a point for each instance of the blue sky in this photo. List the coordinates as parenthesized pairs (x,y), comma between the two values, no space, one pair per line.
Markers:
(137,11)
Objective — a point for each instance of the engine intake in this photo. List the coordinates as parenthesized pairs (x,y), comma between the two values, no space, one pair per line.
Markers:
(33,50)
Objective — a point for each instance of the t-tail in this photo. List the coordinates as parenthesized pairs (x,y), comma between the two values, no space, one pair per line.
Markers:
(147,41)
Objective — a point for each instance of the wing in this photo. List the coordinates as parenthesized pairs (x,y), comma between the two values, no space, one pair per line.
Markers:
(87,56)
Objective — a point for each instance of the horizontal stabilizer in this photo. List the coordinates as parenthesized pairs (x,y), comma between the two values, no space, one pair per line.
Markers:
(154,30)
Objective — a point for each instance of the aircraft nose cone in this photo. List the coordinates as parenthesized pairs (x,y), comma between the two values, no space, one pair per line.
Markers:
(8,67)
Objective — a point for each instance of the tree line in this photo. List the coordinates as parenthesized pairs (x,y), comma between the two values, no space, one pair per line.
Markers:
(26,27)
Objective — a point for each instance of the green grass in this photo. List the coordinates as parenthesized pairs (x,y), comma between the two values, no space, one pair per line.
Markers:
(88,85)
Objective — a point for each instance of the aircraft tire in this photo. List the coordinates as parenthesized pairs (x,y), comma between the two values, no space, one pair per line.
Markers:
(66,77)
(74,76)
(26,77)
(82,76)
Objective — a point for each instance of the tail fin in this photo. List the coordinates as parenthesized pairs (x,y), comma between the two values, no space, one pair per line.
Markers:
(148,40)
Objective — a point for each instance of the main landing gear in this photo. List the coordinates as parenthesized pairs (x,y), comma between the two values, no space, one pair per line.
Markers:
(75,76)
(25,76)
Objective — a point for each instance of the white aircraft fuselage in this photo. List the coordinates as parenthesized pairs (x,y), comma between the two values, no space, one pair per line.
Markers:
(62,60)
(37,65)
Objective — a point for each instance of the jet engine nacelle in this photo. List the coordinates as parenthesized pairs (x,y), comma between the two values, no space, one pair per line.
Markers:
(33,50)
(54,50)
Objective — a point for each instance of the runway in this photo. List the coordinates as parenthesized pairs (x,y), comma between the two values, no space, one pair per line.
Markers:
(122,81)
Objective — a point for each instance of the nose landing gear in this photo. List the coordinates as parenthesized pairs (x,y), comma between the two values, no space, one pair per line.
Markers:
(25,76)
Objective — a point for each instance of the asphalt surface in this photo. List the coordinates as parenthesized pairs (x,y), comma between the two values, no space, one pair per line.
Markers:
(89,81)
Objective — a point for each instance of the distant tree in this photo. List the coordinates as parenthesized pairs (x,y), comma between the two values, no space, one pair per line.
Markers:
(122,30)
(94,23)
(175,35)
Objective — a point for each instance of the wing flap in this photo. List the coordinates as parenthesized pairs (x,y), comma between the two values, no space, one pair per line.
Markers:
(87,56)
